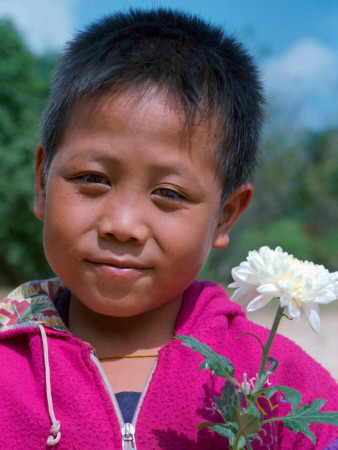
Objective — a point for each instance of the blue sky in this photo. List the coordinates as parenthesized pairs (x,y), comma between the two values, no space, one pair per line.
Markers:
(271,24)
(294,41)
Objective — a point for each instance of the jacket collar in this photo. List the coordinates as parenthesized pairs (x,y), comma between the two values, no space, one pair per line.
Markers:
(31,304)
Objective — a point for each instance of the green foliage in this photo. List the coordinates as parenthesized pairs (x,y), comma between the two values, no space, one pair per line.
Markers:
(247,423)
(226,430)
(237,407)
(291,395)
(299,420)
(220,365)
(23,92)
(228,401)
(294,204)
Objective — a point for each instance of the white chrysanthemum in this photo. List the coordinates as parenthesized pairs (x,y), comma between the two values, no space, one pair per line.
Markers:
(298,284)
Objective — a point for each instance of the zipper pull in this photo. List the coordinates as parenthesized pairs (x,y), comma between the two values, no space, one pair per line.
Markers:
(128,437)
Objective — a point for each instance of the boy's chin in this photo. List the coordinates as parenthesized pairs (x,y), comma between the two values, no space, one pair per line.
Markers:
(123,308)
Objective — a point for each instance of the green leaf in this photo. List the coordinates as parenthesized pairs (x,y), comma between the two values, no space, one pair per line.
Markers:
(248,439)
(241,443)
(292,396)
(205,425)
(228,430)
(220,365)
(252,410)
(229,398)
(247,423)
(299,420)
(326,417)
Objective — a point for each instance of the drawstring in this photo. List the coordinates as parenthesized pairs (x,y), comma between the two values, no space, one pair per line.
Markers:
(55,429)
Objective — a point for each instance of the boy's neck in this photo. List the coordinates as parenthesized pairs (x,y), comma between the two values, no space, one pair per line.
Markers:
(112,336)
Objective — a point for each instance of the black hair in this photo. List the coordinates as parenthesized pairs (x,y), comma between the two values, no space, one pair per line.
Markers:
(207,73)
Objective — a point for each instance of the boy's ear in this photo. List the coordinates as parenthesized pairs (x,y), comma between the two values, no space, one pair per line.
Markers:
(235,205)
(40,186)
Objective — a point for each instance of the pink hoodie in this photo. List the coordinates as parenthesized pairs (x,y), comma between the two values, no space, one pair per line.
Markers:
(177,398)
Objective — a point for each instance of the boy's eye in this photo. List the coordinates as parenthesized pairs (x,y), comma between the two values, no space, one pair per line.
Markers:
(93,178)
(168,194)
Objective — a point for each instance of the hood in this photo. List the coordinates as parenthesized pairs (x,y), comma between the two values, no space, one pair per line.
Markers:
(31,304)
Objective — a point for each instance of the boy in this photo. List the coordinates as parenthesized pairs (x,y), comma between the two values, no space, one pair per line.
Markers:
(148,141)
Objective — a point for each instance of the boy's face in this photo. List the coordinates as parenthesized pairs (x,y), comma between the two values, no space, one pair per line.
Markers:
(131,206)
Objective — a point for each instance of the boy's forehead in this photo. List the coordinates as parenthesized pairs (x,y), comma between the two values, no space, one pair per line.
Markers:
(131,109)
(131,104)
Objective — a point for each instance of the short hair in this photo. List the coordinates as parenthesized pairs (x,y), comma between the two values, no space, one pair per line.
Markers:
(208,74)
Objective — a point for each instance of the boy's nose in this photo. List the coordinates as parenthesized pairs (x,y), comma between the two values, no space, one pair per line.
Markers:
(123,220)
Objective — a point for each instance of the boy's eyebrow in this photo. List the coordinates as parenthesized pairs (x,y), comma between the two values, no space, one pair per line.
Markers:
(159,169)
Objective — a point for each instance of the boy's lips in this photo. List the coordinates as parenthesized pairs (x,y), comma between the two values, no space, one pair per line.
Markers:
(118,265)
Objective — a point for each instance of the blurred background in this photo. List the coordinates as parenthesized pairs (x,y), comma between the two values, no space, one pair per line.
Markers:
(295,43)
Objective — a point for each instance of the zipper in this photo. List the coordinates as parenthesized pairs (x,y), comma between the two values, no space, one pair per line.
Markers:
(127,429)
(128,437)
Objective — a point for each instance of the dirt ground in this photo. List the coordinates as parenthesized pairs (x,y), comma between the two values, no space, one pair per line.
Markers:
(323,347)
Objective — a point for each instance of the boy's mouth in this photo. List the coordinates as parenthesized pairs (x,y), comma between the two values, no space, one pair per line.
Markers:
(118,265)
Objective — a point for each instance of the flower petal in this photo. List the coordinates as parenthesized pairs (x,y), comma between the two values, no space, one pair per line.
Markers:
(269,289)
(259,302)
(239,293)
(312,313)
(285,299)
(270,273)
(294,311)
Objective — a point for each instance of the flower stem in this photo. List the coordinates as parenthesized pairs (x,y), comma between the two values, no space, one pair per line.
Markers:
(235,446)
(261,379)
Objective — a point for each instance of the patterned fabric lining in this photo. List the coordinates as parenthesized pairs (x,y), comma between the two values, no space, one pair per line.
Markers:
(31,304)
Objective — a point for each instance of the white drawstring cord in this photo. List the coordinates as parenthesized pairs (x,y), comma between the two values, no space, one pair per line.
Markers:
(55,429)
